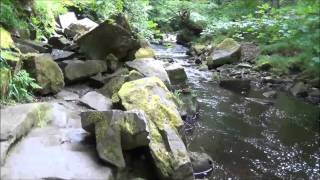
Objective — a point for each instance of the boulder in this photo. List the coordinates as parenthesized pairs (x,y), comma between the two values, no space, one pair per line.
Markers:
(96,101)
(152,96)
(237,85)
(76,29)
(110,37)
(189,103)
(5,77)
(134,75)
(228,51)
(184,37)
(150,68)
(115,130)
(145,52)
(60,55)
(75,70)
(59,42)
(113,85)
(13,59)
(67,95)
(66,19)
(299,90)
(112,62)
(25,48)
(176,74)
(45,71)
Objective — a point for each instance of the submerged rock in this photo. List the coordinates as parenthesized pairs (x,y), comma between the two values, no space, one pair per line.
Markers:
(228,51)
(110,37)
(151,95)
(201,163)
(75,70)
(237,85)
(45,71)
(150,68)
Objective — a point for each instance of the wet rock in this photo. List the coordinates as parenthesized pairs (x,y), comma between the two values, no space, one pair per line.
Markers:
(201,163)
(108,38)
(5,76)
(184,37)
(16,121)
(113,85)
(260,101)
(228,51)
(67,95)
(26,48)
(189,105)
(237,85)
(59,42)
(41,47)
(151,95)
(270,94)
(66,19)
(299,90)
(45,71)
(150,68)
(60,55)
(176,74)
(75,70)
(96,101)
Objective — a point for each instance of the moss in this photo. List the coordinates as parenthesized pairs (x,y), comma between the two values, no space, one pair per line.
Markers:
(228,44)
(43,114)
(6,41)
(5,77)
(145,52)
(10,56)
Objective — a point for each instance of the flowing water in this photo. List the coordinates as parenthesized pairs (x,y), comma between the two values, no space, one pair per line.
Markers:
(248,140)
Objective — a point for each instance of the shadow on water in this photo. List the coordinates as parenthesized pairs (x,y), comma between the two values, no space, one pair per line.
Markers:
(248,140)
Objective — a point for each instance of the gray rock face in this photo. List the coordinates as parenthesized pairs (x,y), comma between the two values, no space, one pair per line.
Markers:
(228,51)
(150,68)
(116,130)
(75,70)
(237,85)
(60,55)
(96,101)
(16,121)
(176,74)
(110,37)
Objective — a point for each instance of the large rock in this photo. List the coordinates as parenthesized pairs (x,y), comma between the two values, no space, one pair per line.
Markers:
(75,70)
(228,51)
(60,55)
(76,29)
(96,101)
(150,68)
(110,37)
(46,72)
(176,74)
(184,37)
(39,46)
(16,121)
(151,95)
(5,77)
(6,41)
(145,52)
(299,90)
(115,130)
(59,42)
(13,59)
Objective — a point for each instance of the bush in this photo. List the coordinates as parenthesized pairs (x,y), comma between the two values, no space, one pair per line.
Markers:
(10,17)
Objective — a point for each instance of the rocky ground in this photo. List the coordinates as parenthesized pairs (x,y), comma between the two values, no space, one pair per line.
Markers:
(103,98)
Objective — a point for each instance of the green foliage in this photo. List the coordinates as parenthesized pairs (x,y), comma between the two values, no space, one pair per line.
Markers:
(10,17)
(21,87)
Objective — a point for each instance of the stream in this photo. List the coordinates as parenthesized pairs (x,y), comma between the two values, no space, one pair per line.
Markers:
(248,140)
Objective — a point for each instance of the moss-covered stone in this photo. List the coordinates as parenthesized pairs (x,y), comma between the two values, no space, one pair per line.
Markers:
(6,41)
(145,52)
(134,75)
(46,72)
(228,44)
(13,59)
(5,77)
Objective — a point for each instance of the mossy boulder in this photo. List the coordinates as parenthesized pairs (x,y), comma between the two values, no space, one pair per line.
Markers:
(185,36)
(45,71)
(152,96)
(145,52)
(5,77)
(6,41)
(227,52)
(13,59)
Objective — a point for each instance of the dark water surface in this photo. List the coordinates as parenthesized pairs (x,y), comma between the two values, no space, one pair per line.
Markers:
(248,140)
